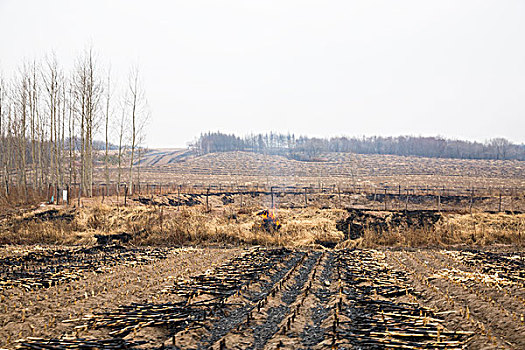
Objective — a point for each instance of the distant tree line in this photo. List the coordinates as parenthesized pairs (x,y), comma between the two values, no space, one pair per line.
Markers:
(310,148)
(49,119)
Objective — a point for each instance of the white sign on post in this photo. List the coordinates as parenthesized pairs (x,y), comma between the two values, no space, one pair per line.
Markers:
(64,195)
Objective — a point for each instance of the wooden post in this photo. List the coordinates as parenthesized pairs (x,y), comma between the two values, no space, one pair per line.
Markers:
(207,195)
(79,193)
(499,207)
(125,194)
(439,201)
(385,198)
(406,202)
(399,196)
(471,200)
(305,198)
(271,192)
(241,199)
(178,197)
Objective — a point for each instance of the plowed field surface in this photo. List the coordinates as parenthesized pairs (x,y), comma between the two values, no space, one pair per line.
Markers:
(265,298)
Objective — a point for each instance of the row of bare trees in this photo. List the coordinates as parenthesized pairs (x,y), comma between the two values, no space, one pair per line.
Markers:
(51,121)
(310,148)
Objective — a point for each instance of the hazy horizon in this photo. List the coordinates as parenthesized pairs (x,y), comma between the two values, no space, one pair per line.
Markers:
(315,68)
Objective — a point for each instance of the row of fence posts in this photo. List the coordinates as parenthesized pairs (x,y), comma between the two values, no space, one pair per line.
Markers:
(157,189)
(65,195)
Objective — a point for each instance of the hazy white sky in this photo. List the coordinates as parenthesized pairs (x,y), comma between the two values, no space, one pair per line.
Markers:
(321,68)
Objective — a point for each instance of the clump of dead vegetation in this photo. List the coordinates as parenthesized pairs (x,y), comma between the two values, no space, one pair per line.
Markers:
(229,225)
(477,229)
(157,225)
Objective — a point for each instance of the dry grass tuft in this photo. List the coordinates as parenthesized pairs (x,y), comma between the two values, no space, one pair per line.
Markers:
(479,229)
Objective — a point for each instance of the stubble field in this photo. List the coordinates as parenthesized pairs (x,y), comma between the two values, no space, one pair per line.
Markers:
(355,269)
(263,298)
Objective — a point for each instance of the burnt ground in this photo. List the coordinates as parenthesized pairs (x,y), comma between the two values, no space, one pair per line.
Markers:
(278,298)
(40,311)
(359,220)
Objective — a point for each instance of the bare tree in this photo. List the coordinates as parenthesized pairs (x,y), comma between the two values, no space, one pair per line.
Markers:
(122,130)
(34,93)
(141,137)
(21,113)
(4,152)
(500,147)
(88,93)
(106,156)
(71,134)
(51,78)
(137,104)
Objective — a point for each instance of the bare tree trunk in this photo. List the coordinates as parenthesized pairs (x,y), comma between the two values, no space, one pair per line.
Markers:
(106,158)
(51,81)
(121,135)
(9,136)
(23,103)
(4,153)
(62,136)
(33,101)
(82,148)
(134,92)
(41,159)
(71,125)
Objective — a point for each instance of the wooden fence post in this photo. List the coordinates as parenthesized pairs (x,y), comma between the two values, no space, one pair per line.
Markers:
(305,198)
(207,195)
(399,196)
(241,199)
(178,197)
(471,200)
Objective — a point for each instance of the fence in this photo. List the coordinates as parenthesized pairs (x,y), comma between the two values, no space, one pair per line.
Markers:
(386,197)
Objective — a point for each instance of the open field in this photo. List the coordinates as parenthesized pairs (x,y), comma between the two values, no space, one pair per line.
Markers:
(334,168)
(362,252)
(420,183)
(267,299)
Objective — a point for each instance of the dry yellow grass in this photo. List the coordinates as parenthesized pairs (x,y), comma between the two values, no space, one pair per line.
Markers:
(476,229)
(150,225)
(301,227)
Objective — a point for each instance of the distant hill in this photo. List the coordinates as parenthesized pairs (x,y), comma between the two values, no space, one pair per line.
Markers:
(165,156)
(310,148)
